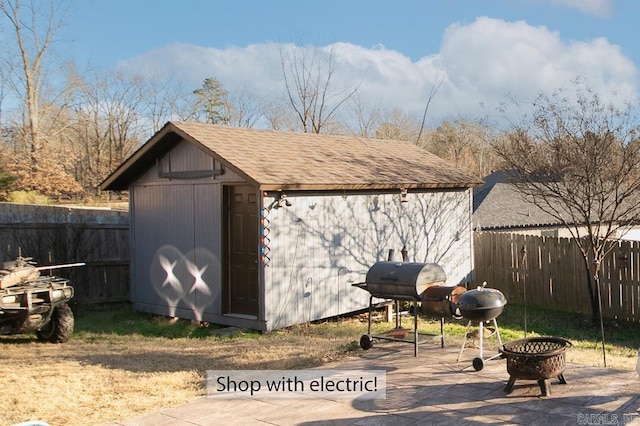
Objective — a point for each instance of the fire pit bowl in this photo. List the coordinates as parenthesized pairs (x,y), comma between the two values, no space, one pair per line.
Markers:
(535,358)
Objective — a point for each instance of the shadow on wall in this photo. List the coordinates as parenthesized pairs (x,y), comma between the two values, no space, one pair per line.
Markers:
(315,240)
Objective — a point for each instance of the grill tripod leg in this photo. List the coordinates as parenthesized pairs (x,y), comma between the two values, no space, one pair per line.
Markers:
(415,328)
(481,335)
(370,312)
(465,341)
(495,324)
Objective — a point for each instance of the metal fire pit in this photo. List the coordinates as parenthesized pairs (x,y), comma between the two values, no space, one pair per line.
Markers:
(535,358)
(401,281)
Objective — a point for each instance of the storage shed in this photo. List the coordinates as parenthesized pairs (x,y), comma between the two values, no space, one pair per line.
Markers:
(265,229)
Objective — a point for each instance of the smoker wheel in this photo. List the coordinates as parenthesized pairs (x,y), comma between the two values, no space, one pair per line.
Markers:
(478,364)
(366,342)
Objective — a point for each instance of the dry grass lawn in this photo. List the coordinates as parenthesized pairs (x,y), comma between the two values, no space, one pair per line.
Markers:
(93,380)
(113,369)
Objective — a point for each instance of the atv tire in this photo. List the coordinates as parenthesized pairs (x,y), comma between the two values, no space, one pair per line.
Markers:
(60,327)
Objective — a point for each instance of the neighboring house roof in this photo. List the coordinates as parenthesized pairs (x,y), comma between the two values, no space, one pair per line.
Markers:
(300,161)
(498,205)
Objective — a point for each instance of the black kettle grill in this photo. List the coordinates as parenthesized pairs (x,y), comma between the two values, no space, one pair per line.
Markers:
(481,305)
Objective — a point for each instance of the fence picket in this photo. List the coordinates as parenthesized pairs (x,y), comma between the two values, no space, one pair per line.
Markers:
(60,235)
(555,274)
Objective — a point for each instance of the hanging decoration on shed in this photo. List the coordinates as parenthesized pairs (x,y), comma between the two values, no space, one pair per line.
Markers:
(265,241)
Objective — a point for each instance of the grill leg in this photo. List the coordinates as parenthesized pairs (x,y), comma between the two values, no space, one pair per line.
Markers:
(545,388)
(415,328)
(495,324)
(465,341)
(509,387)
(480,325)
(563,381)
(370,312)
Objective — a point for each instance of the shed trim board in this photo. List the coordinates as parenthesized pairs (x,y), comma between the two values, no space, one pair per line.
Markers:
(309,245)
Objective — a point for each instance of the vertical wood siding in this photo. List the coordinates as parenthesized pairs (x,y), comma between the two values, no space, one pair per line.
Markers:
(176,237)
(185,157)
(207,267)
(176,248)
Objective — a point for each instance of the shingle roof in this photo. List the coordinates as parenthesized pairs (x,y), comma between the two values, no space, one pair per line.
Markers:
(302,161)
(499,205)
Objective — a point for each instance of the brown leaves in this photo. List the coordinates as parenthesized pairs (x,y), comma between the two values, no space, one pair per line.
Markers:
(46,175)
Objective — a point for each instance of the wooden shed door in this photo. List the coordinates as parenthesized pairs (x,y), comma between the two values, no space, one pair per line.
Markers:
(241,248)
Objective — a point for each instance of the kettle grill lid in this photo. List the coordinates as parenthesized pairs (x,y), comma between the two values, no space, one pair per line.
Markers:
(485,298)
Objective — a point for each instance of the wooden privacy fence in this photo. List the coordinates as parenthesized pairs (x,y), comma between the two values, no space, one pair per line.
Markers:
(60,235)
(553,274)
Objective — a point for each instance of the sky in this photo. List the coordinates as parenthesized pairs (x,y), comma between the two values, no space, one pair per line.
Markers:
(479,54)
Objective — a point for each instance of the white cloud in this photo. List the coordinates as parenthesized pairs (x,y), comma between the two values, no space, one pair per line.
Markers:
(600,8)
(493,58)
(483,63)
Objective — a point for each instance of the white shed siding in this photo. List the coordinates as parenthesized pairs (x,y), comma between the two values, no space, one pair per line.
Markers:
(320,245)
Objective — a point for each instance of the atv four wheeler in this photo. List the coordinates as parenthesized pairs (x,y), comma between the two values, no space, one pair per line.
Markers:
(30,302)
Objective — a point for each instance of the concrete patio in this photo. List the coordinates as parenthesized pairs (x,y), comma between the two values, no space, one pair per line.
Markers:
(434,389)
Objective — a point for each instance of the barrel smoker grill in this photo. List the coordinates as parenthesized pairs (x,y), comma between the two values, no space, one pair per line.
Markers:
(408,281)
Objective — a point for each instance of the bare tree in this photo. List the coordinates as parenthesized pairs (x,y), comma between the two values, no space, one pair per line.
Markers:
(166,98)
(464,144)
(398,126)
(579,161)
(432,93)
(310,89)
(36,139)
(6,70)
(108,117)
(243,108)
(276,113)
(34,25)
(367,117)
